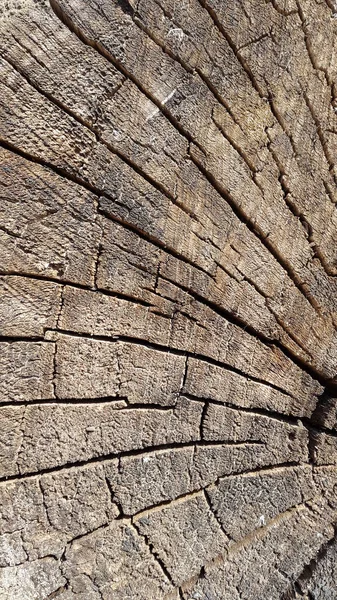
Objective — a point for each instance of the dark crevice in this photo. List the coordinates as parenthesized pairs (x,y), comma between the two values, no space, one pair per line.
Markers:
(113,498)
(66,284)
(172,350)
(328,157)
(57,592)
(329,193)
(308,46)
(278,320)
(256,534)
(140,23)
(128,453)
(45,505)
(279,118)
(68,22)
(9,232)
(101,194)
(155,554)
(317,251)
(165,503)
(175,351)
(301,586)
(72,401)
(326,409)
(236,147)
(58,170)
(264,412)
(202,418)
(304,290)
(314,424)
(322,421)
(286,192)
(255,229)
(174,56)
(226,314)
(314,434)
(299,215)
(288,331)
(232,45)
(22,339)
(126,7)
(54,380)
(183,381)
(86,533)
(149,238)
(215,515)
(27,50)
(175,122)
(97,264)
(222,312)
(260,470)
(58,317)
(332,5)
(91,127)
(261,37)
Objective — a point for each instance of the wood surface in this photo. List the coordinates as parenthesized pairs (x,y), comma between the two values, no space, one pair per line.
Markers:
(168,300)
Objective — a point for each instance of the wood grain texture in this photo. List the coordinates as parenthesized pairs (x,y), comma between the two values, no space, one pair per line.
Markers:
(168,300)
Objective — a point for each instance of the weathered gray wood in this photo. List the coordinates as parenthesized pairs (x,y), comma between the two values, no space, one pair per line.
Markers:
(168,305)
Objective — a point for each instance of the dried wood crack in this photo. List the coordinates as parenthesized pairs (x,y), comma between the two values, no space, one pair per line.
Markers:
(168,362)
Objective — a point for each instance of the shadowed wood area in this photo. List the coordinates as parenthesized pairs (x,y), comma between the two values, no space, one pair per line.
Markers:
(168,301)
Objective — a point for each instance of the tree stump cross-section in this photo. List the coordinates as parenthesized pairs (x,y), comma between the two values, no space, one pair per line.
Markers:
(168,300)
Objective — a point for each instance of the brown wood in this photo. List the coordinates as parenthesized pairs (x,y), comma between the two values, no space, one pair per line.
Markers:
(168,305)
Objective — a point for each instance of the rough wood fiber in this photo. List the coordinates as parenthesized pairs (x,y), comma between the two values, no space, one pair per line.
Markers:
(168,301)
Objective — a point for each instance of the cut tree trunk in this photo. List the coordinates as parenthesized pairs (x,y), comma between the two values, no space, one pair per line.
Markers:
(168,265)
